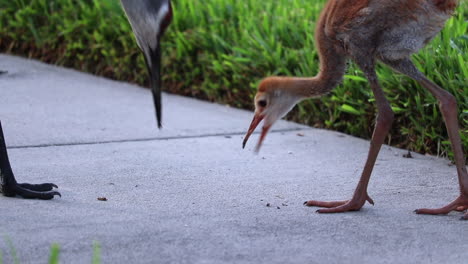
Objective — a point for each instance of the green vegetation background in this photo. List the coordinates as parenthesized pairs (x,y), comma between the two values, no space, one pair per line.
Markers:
(218,50)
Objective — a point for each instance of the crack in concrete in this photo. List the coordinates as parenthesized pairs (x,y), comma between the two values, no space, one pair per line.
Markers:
(147,139)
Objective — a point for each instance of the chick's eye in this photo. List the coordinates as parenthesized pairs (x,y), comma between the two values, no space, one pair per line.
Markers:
(262,103)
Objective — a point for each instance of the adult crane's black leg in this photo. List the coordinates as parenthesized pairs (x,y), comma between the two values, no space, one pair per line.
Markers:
(11,188)
(448,107)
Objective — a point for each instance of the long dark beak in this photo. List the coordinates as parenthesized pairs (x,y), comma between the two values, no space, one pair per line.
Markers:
(256,120)
(153,64)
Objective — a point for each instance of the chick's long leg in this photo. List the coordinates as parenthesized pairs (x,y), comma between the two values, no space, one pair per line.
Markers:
(448,107)
(383,124)
(9,186)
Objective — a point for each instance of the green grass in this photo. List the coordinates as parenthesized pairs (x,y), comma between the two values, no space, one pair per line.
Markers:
(54,253)
(96,253)
(14,254)
(220,49)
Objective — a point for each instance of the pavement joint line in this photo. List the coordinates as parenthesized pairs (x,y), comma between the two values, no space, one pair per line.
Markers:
(148,139)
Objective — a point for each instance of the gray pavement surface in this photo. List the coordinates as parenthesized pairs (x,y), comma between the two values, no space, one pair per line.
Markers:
(190,194)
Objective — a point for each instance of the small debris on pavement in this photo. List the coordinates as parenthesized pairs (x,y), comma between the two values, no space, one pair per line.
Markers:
(227,136)
(290,152)
(268,204)
(283,204)
(300,134)
(104,199)
(277,207)
(408,155)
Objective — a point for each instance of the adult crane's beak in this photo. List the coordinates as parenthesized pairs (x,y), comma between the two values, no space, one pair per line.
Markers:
(266,127)
(153,64)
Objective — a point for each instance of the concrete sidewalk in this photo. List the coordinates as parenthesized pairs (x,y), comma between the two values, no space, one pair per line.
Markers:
(189,193)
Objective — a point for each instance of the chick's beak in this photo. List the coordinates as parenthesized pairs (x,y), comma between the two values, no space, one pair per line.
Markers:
(256,120)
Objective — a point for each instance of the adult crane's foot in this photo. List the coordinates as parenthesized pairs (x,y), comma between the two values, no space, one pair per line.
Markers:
(42,191)
(354,204)
(460,204)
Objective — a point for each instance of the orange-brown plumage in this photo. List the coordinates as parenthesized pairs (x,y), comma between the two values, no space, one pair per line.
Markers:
(447,6)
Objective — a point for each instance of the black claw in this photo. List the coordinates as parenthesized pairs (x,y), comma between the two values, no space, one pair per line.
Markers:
(305,203)
(44,187)
(49,195)
(36,191)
